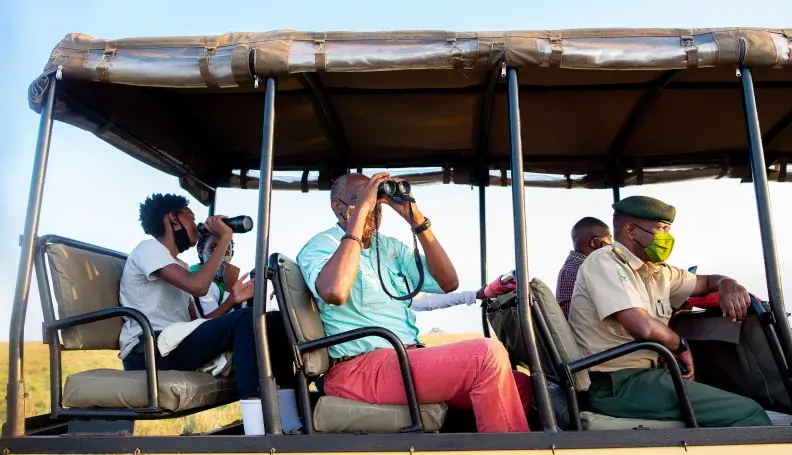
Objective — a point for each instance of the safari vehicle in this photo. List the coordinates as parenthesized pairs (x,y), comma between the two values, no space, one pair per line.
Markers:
(567,109)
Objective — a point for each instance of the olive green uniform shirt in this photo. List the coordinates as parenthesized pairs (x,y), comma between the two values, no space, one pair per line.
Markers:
(612,279)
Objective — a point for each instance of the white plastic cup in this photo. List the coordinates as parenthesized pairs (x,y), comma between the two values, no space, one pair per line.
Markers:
(253,418)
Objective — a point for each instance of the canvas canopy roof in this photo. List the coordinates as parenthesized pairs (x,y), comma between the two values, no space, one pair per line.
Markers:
(598,106)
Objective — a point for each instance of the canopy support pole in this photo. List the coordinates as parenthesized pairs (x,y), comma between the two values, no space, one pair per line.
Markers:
(268,389)
(212,203)
(633,122)
(15,391)
(778,130)
(327,116)
(482,173)
(759,173)
(541,392)
(483,251)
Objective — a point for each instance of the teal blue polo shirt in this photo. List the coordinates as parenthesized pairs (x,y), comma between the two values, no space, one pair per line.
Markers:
(367,305)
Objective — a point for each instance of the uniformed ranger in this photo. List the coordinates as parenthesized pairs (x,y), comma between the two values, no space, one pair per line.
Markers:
(627,292)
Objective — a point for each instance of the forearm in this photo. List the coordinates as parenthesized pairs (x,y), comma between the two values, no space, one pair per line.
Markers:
(437,261)
(642,327)
(430,302)
(662,334)
(224,308)
(714,281)
(203,278)
(707,283)
(339,273)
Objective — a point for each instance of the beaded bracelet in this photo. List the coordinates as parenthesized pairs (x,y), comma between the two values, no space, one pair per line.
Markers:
(352,237)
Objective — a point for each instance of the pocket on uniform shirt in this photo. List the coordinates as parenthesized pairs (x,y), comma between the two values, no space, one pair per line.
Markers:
(663,308)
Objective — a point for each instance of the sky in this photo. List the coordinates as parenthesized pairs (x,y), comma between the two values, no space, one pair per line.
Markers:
(92,190)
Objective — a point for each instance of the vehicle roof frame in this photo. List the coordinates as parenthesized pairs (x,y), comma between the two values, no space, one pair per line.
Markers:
(16,395)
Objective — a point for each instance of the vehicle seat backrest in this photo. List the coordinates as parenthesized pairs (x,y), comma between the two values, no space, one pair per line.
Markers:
(560,331)
(83,282)
(297,301)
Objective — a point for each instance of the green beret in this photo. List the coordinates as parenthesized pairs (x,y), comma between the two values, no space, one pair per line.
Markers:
(647,208)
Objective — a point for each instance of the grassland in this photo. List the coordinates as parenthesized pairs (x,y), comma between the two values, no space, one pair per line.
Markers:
(37,385)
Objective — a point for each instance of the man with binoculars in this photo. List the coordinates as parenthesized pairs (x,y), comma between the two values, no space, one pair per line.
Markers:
(157,283)
(356,287)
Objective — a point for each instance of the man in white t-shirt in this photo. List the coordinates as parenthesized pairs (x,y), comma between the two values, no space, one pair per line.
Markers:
(160,285)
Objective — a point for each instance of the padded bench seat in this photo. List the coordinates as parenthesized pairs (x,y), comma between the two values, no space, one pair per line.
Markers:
(339,415)
(118,389)
(593,421)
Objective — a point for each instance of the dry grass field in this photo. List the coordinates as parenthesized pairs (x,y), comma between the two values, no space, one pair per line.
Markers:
(37,385)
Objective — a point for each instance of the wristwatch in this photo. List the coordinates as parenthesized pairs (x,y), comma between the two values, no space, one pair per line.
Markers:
(683,346)
(423,227)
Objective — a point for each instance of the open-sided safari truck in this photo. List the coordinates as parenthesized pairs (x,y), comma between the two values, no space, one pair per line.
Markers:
(567,109)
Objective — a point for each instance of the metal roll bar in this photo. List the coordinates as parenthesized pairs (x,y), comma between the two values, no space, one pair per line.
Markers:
(15,391)
(268,389)
(763,206)
(542,395)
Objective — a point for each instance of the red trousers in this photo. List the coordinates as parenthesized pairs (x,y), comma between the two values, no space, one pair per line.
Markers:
(474,374)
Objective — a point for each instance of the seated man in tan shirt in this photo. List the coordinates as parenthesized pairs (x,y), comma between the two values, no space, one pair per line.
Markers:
(627,292)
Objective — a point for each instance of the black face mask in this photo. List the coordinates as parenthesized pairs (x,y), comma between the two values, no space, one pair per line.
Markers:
(181,237)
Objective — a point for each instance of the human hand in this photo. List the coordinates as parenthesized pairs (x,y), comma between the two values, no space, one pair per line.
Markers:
(216,227)
(403,209)
(367,196)
(242,291)
(734,299)
(686,358)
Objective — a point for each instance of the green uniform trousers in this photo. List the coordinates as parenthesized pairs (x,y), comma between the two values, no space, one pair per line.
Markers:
(649,394)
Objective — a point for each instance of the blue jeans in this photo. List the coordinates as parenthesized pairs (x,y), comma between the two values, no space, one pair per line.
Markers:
(231,331)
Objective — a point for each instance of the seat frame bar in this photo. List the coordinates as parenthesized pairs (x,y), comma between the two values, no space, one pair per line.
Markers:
(275,266)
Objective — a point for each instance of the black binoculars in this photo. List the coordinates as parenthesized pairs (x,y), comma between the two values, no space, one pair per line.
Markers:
(238,224)
(397,191)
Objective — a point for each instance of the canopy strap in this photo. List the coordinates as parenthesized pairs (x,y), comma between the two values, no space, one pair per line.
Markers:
(556,51)
(203,66)
(725,169)
(103,66)
(320,55)
(782,168)
(691,51)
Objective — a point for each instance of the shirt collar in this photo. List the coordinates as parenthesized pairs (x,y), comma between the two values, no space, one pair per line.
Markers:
(576,255)
(634,261)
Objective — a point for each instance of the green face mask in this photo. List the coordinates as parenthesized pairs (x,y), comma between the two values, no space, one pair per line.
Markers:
(661,247)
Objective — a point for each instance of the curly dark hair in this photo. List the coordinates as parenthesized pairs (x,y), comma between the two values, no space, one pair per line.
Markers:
(155,207)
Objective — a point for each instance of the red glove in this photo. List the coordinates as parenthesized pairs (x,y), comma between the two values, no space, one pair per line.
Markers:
(504,284)
(710,300)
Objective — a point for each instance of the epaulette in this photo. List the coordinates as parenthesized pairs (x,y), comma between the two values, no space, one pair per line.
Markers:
(620,255)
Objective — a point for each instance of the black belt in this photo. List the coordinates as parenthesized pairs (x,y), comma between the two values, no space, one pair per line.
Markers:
(338,360)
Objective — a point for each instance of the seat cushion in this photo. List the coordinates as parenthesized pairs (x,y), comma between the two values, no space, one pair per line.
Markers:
(339,415)
(560,331)
(297,305)
(118,389)
(83,282)
(592,421)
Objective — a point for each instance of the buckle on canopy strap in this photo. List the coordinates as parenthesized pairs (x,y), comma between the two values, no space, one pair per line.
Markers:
(320,55)
(782,168)
(203,65)
(556,51)
(103,66)
(692,52)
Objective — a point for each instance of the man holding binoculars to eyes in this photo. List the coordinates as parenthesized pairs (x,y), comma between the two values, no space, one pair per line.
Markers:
(158,284)
(356,287)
